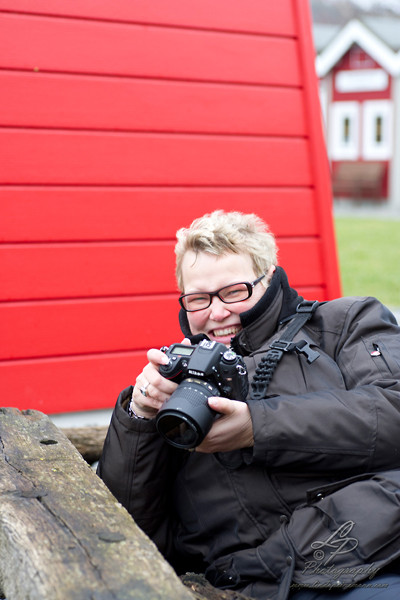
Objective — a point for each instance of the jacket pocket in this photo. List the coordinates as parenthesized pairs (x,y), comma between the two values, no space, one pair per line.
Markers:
(381,357)
(320,492)
(369,505)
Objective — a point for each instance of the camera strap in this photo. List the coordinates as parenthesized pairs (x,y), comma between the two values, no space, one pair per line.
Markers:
(277,349)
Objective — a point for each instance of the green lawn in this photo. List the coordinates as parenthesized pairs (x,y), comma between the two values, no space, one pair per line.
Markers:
(369,258)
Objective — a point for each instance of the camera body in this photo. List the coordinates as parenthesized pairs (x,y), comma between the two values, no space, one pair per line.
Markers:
(203,370)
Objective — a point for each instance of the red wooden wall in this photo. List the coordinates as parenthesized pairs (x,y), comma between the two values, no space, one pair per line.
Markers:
(120,122)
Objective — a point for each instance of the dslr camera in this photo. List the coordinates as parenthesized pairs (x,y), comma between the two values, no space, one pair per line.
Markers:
(203,370)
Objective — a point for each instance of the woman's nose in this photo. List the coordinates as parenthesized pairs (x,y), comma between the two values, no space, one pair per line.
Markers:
(218,309)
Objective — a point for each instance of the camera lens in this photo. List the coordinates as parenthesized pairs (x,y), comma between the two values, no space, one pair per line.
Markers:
(185,418)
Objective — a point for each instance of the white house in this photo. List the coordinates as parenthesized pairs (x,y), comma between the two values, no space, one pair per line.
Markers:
(359,69)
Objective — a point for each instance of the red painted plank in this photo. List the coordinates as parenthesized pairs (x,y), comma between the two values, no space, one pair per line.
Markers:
(37,157)
(69,383)
(107,103)
(49,271)
(86,270)
(43,329)
(30,214)
(61,45)
(252,15)
(301,259)
(314,292)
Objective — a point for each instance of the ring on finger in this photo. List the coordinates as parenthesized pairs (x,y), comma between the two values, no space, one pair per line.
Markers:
(143,389)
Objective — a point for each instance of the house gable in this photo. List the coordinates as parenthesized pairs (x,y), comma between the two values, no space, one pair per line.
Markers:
(356,32)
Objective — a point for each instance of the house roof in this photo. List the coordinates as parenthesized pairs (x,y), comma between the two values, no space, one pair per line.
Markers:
(378,36)
(386,28)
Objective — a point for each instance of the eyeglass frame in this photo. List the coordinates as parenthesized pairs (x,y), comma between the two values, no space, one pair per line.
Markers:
(250,287)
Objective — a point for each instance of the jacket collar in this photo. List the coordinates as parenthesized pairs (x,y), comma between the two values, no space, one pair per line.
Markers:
(277,305)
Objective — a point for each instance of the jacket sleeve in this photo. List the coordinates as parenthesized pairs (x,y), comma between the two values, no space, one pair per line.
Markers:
(351,422)
(136,465)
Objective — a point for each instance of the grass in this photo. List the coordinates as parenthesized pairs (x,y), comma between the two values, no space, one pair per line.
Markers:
(369,258)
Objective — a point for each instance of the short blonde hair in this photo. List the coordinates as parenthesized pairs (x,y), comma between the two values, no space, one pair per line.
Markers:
(221,233)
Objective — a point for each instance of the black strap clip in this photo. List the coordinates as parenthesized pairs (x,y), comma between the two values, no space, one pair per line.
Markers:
(302,347)
(283,346)
(307,306)
(259,390)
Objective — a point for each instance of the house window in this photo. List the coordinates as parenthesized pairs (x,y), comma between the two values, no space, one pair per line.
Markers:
(377,130)
(344,131)
(361,80)
(358,59)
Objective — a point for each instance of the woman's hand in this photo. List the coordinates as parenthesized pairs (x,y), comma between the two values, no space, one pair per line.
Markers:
(151,388)
(232,430)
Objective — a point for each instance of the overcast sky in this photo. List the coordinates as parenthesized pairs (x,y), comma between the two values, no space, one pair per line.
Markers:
(368,4)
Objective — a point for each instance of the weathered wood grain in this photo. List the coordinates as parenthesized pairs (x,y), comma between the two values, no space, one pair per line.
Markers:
(202,590)
(62,533)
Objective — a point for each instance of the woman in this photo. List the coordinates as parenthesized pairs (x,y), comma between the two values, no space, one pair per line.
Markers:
(273,502)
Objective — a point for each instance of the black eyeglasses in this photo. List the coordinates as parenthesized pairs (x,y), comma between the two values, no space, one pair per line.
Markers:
(237,292)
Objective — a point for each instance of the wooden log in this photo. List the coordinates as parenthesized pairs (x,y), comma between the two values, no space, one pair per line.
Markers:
(62,533)
(202,590)
(87,440)
(89,443)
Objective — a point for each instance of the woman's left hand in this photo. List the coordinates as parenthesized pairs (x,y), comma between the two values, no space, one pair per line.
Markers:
(230,431)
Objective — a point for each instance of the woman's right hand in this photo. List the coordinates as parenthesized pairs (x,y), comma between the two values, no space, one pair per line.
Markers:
(151,388)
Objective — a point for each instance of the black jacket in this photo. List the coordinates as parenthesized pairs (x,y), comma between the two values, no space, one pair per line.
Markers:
(293,509)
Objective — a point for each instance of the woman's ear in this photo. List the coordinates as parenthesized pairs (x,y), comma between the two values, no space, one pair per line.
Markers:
(270,272)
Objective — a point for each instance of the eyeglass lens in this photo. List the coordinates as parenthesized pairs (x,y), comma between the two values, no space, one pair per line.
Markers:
(229,294)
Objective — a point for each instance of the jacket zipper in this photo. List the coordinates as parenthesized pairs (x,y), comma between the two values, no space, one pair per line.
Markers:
(376,352)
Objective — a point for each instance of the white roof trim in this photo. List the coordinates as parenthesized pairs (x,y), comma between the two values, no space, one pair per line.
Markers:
(356,33)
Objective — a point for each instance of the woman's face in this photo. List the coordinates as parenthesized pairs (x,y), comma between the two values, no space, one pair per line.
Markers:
(205,272)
